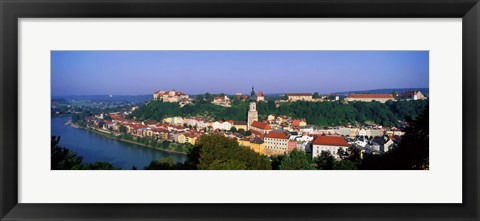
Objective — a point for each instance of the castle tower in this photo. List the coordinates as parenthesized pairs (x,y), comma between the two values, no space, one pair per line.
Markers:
(252,112)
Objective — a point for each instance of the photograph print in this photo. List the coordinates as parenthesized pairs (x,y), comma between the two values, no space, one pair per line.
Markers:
(240,110)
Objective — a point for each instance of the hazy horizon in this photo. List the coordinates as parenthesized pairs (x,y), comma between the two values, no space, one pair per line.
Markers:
(137,73)
(266,94)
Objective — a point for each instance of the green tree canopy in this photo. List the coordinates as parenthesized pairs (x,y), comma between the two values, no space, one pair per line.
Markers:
(222,153)
(317,113)
(344,165)
(325,161)
(412,152)
(123,129)
(296,160)
(167,163)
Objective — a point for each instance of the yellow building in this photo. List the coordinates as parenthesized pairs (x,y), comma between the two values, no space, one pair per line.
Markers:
(302,123)
(182,138)
(191,139)
(245,143)
(256,145)
(240,125)
(149,133)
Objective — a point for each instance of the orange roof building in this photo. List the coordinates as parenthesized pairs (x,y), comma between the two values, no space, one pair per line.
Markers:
(382,98)
(276,143)
(261,125)
(277,135)
(330,144)
(330,141)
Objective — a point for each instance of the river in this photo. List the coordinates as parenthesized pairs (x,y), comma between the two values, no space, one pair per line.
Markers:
(94,147)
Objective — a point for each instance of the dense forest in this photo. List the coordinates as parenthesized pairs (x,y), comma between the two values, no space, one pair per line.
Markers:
(316,113)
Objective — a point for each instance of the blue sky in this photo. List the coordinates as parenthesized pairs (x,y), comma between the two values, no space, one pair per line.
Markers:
(195,72)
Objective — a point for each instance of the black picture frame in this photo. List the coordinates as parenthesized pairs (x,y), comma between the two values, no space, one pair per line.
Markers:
(12,10)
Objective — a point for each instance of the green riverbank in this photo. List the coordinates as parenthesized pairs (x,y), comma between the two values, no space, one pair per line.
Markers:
(113,137)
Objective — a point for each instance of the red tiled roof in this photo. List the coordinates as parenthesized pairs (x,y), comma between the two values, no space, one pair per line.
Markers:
(296,123)
(116,117)
(254,132)
(159,130)
(149,122)
(261,125)
(260,94)
(136,126)
(370,96)
(277,135)
(299,94)
(330,141)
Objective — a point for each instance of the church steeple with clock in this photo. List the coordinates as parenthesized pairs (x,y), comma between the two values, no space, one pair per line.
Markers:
(252,112)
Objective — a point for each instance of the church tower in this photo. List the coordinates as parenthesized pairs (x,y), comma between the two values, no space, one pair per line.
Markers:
(252,112)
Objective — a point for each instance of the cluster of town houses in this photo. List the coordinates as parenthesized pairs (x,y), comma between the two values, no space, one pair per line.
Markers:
(276,135)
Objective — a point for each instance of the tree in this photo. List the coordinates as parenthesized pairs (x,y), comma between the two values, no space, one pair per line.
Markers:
(342,153)
(394,94)
(315,95)
(64,159)
(233,129)
(188,147)
(100,124)
(75,118)
(276,161)
(296,160)
(241,131)
(167,163)
(325,161)
(248,133)
(344,165)
(99,166)
(230,164)
(165,144)
(215,151)
(123,129)
(271,106)
(199,99)
(107,117)
(412,153)
(208,96)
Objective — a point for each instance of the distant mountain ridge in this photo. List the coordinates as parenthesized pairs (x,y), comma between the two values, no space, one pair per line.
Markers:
(127,98)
